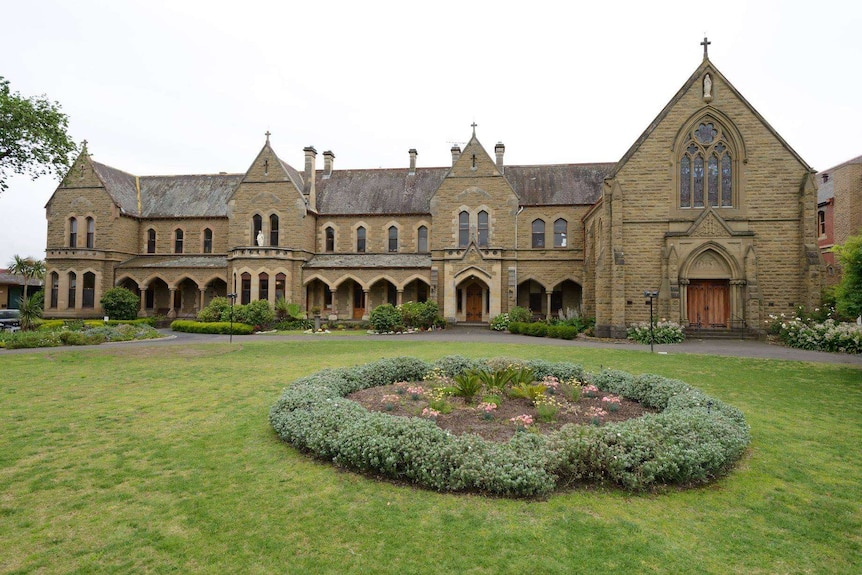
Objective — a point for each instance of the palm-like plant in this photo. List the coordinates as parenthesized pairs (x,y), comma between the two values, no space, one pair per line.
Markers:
(31,310)
(30,268)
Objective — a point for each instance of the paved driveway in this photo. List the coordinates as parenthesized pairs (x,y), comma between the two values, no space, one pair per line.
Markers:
(731,347)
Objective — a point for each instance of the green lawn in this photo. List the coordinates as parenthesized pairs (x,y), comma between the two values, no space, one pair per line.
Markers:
(132,459)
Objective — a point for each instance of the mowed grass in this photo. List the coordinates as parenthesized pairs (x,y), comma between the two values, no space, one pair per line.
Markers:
(160,459)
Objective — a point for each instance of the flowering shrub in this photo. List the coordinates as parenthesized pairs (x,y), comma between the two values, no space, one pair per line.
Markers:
(524,421)
(611,402)
(596,415)
(663,332)
(828,335)
(590,390)
(547,408)
(415,391)
(487,409)
(692,440)
(500,322)
(430,413)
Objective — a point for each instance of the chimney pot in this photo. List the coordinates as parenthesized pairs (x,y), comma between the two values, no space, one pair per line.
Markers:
(328,158)
(413,153)
(456,153)
(499,150)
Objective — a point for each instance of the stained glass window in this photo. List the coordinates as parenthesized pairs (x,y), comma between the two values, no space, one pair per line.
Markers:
(712,181)
(706,134)
(685,182)
(698,181)
(483,229)
(726,182)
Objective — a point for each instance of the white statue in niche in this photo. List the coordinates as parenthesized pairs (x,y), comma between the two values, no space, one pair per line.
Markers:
(260,238)
(707,87)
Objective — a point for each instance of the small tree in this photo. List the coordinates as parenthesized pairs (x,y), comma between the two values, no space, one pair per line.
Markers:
(31,310)
(848,293)
(120,303)
(33,138)
(29,268)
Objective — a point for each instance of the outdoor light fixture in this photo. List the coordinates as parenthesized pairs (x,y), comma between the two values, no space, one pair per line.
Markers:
(651,295)
(232,297)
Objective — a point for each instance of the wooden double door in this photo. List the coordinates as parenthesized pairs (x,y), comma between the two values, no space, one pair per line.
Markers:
(708,303)
(474,302)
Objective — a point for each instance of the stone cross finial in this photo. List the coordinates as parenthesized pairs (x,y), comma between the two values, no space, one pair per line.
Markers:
(705,45)
(267,134)
(473,125)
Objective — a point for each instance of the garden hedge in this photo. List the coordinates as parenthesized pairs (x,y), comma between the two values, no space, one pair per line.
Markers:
(222,327)
(693,439)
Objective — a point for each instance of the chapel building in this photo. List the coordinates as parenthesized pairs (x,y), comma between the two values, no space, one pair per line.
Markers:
(710,208)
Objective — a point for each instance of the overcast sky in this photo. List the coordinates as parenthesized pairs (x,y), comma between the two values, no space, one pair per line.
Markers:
(190,87)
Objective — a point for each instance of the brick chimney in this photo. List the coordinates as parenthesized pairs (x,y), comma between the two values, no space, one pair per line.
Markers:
(500,149)
(308,191)
(328,158)
(456,153)
(413,153)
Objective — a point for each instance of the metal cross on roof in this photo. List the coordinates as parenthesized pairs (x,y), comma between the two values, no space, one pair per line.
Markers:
(705,45)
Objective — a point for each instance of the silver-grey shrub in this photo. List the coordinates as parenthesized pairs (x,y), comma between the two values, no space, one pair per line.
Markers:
(693,439)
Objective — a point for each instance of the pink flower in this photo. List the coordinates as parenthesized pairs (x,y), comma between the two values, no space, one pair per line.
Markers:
(430,413)
(486,407)
(523,420)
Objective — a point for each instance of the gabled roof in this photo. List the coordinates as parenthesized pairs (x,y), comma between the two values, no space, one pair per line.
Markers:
(187,196)
(381,191)
(558,184)
(120,186)
(826,190)
(699,71)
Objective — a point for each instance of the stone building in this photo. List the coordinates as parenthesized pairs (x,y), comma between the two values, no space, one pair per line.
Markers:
(710,207)
(839,210)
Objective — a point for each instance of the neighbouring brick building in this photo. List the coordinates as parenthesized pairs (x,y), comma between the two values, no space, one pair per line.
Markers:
(710,207)
(839,211)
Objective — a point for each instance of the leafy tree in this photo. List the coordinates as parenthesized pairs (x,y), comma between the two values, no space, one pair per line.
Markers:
(30,268)
(33,138)
(120,303)
(848,294)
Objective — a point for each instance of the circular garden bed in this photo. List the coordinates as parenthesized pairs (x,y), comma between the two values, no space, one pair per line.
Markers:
(665,432)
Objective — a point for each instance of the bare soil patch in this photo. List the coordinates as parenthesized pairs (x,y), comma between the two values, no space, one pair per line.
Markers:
(466,418)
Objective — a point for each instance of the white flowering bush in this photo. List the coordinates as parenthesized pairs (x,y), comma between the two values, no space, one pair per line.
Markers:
(663,331)
(828,335)
(500,322)
(693,438)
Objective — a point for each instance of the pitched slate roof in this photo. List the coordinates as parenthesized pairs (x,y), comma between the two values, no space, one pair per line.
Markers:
(370,261)
(826,190)
(187,196)
(7,278)
(558,184)
(176,261)
(382,191)
(120,186)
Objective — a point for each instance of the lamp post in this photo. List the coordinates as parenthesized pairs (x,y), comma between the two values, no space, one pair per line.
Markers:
(651,295)
(232,297)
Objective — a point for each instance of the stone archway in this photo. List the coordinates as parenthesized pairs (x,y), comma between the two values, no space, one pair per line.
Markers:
(472,300)
(711,294)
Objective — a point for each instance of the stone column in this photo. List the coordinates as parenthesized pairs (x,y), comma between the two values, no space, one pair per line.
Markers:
(334,293)
(366,294)
(172,313)
(683,303)
(142,311)
(201,294)
(399,299)
(548,303)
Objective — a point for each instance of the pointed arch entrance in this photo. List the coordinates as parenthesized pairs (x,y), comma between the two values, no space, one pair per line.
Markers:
(473,300)
(709,277)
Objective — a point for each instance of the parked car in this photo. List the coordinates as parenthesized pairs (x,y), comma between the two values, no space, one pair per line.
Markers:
(10,319)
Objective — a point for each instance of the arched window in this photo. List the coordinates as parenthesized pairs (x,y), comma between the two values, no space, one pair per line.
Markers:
(55,289)
(208,241)
(273,230)
(91,233)
(178,241)
(89,299)
(422,239)
(245,292)
(263,286)
(73,289)
(560,233)
(280,281)
(463,229)
(360,239)
(538,233)
(393,239)
(330,239)
(706,168)
(151,241)
(256,228)
(483,229)
(73,233)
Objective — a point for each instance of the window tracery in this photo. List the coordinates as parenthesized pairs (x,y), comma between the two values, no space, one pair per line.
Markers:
(706,168)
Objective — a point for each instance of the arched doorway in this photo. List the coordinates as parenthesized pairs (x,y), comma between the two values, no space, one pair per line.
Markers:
(708,301)
(473,301)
